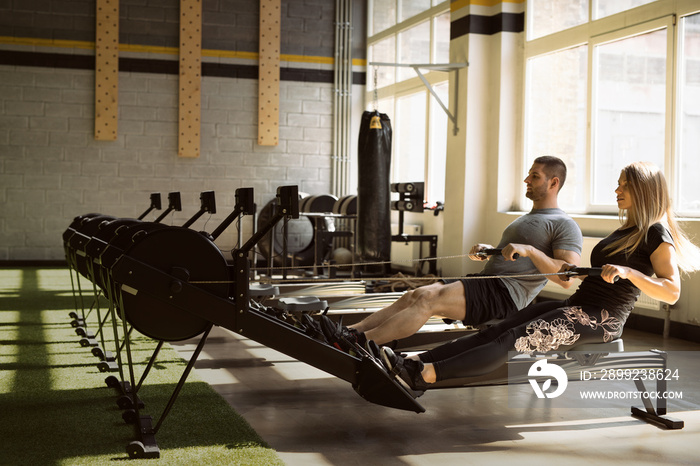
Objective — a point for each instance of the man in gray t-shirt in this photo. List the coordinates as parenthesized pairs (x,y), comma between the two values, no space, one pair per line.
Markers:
(547,230)
(541,240)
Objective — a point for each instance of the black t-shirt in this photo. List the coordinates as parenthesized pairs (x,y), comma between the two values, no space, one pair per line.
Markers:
(618,298)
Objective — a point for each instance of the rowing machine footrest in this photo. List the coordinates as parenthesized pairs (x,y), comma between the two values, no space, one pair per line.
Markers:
(375,385)
(302,304)
(263,289)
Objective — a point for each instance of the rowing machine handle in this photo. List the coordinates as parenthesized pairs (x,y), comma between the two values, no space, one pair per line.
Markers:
(493,252)
(590,271)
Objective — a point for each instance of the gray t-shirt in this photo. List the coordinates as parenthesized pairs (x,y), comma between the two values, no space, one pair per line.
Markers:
(546,230)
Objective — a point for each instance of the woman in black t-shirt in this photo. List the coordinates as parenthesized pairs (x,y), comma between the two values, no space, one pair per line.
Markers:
(645,254)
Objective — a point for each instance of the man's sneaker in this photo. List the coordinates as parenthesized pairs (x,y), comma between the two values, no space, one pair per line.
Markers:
(343,338)
(373,349)
(312,328)
(406,371)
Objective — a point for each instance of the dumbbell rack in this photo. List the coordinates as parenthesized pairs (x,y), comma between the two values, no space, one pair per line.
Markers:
(411,200)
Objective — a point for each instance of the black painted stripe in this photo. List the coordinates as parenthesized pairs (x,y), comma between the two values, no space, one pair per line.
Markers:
(142,65)
(46,60)
(487,25)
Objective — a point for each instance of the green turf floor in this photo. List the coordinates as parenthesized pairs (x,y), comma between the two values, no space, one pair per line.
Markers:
(55,407)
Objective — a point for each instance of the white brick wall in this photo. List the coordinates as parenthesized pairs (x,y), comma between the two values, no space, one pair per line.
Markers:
(52,168)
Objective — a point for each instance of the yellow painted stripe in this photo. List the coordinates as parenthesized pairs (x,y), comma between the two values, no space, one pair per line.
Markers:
(229,54)
(305,59)
(149,49)
(457,4)
(75,44)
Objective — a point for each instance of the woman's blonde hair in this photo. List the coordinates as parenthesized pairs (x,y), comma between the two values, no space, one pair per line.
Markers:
(651,203)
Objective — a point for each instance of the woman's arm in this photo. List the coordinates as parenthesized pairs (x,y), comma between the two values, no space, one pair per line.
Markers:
(665,286)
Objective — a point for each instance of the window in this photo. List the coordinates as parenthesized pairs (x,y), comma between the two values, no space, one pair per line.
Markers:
(688,165)
(414,47)
(546,17)
(629,108)
(410,32)
(556,116)
(409,8)
(384,51)
(383,15)
(437,138)
(604,8)
(411,143)
(603,92)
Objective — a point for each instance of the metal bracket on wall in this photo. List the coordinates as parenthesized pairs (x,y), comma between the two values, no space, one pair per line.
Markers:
(446,67)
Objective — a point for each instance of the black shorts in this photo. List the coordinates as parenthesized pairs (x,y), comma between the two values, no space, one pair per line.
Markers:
(486,298)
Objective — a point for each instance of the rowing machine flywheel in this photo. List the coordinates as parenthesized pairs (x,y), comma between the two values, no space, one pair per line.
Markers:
(87,229)
(187,255)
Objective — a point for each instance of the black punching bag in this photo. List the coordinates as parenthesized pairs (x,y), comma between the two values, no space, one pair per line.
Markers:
(373,192)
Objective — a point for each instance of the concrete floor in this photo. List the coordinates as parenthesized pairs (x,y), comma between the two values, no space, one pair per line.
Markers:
(312,418)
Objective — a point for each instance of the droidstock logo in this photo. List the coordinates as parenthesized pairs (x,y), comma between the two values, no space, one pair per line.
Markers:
(552,371)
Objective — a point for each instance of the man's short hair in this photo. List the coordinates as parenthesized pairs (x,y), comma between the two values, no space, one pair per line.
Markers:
(553,166)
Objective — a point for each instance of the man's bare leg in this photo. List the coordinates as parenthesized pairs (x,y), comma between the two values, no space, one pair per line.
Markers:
(376,319)
(445,301)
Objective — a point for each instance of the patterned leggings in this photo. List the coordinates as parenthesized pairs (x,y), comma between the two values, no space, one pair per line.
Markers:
(541,327)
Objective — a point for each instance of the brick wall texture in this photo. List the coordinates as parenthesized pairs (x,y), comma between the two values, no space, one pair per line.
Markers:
(52,168)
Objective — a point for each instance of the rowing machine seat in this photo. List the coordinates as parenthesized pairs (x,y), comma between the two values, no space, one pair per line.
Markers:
(302,304)
(614,346)
(588,354)
(257,290)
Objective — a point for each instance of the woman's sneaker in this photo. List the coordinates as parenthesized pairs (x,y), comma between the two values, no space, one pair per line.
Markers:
(406,371)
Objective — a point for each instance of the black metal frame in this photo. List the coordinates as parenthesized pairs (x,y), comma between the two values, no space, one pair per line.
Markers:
(516,371)
(363,371)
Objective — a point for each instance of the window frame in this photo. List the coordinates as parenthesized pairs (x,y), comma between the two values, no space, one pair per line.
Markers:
(412,85)
(636,21)
(636,30)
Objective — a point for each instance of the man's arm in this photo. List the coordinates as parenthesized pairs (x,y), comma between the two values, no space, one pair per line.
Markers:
(543,262)
(477,248)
